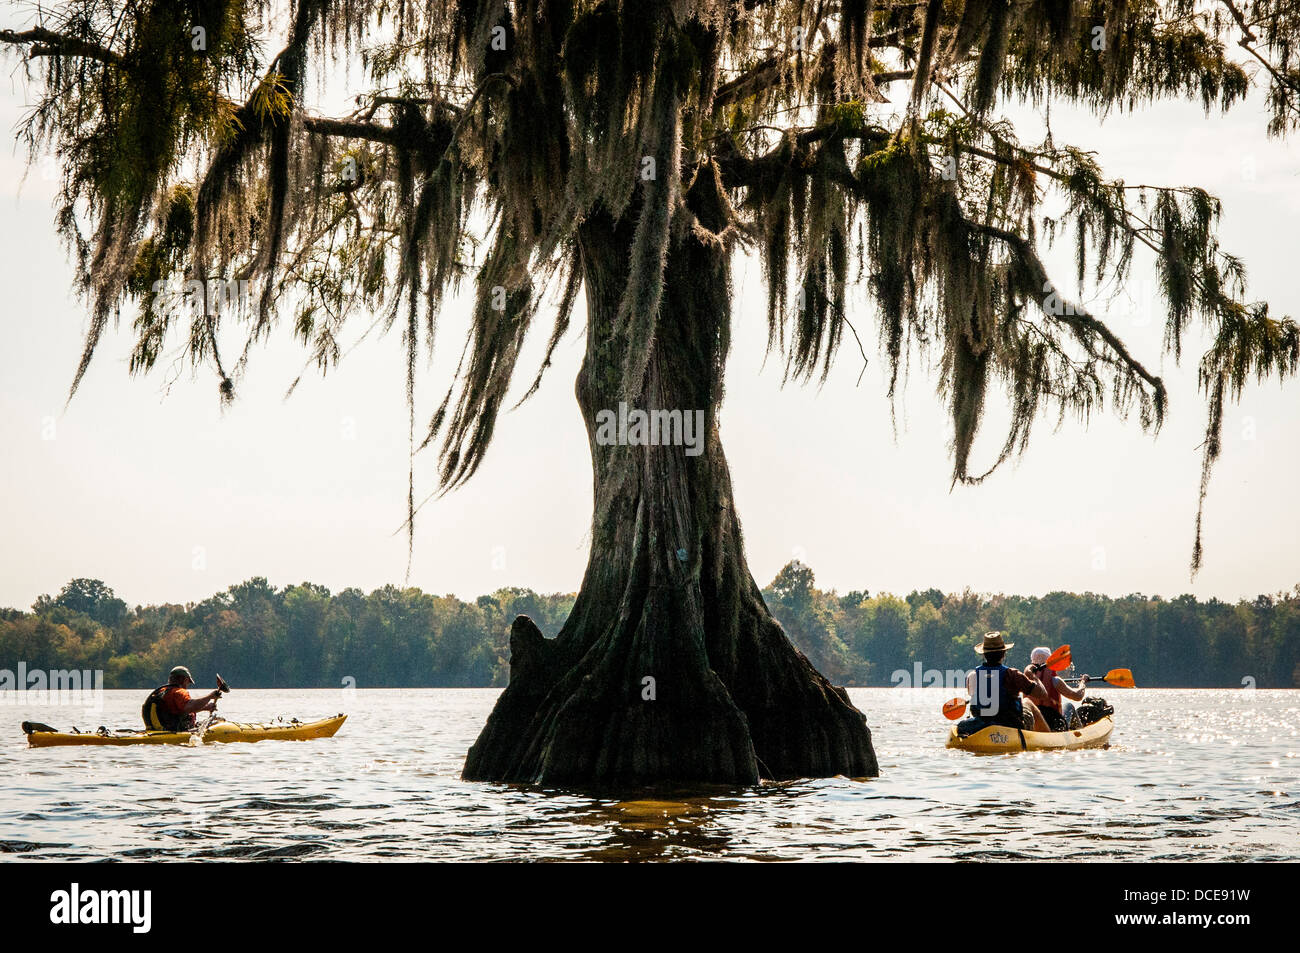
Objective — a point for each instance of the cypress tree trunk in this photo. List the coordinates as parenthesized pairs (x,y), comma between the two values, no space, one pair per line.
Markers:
(670,669)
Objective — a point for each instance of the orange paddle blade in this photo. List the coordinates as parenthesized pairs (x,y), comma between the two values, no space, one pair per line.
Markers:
(952,710)
(1120,678)
(1059,660)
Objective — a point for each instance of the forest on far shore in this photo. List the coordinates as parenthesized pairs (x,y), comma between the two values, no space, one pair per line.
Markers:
(304,636)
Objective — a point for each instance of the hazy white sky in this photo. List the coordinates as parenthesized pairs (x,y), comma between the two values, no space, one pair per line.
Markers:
(160,493)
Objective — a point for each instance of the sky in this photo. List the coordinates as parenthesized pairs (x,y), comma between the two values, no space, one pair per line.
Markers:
(150,485)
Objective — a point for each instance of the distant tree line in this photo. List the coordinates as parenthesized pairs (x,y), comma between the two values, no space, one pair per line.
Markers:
(304,636)
(861,639)
(257,636)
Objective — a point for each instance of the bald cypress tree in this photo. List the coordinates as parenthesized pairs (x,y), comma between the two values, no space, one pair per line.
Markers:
(626,151)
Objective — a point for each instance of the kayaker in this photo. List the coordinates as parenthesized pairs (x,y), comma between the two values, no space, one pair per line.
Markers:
(170,708)
(1055,710)
(995,690)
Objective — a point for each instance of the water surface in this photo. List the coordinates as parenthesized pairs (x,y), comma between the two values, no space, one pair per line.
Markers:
(1190,775)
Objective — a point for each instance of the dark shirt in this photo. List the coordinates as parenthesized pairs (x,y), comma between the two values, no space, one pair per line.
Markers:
(1005,707)
(1018,681)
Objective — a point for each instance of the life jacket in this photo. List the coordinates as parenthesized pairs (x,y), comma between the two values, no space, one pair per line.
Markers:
(993,699)
(158,718)
(1047,678)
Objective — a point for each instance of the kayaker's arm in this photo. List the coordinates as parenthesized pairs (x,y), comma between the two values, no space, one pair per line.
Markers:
(1074,694)
(206,703)
(1036,690)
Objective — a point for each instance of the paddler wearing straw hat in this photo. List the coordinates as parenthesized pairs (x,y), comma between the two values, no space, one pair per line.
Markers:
(995,690)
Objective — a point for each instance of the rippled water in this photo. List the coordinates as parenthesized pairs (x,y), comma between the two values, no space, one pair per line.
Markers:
(1190,775)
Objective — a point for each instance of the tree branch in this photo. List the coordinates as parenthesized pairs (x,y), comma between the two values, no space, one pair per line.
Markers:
(768,72)
(1247,38)
(57,44)
(1081,322)
(350,129)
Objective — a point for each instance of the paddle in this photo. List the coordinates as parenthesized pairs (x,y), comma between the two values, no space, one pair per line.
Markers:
(222,687)
(1058,661)
(1118,677)
(952,710)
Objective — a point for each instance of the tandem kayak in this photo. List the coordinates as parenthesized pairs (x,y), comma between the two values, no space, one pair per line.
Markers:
(218,732)
(998,740)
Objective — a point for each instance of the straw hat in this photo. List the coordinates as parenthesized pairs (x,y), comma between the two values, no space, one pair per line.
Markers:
(993,643)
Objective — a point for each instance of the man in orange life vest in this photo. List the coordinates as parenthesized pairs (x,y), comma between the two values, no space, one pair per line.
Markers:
(1056,712)
(170,708)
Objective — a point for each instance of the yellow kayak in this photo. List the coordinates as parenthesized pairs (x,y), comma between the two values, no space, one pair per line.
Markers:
(221,731)
(998,740)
